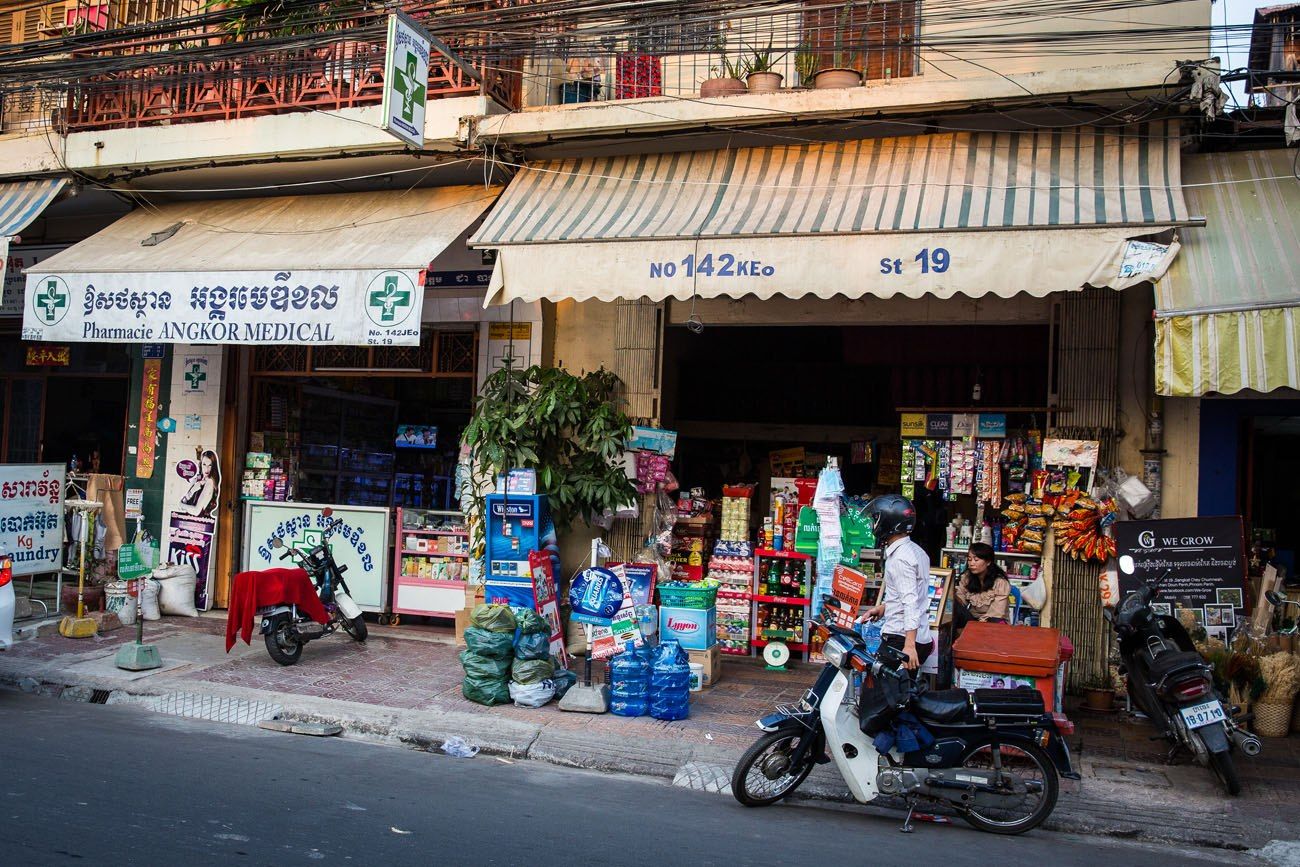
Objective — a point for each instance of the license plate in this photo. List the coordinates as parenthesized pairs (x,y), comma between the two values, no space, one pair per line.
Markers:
(1199,715)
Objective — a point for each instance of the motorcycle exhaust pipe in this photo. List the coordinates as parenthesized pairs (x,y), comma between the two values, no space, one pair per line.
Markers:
(1247,743)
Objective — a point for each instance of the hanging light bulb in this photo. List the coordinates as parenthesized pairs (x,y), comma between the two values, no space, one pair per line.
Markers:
(976,391)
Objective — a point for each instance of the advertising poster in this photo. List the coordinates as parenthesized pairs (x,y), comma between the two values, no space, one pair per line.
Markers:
(193,520)
(361,544)
(1205,559)
(547,602)
(31,516)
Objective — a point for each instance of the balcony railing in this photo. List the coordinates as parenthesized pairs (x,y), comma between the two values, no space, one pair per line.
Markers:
(345,73)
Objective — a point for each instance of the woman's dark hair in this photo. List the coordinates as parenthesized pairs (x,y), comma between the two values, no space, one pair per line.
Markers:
(991,575)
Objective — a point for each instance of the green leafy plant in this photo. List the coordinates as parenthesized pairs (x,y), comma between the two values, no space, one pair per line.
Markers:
(727,67)
(842,57)
(761,60)
(273,17)
(806,65)
(569,428)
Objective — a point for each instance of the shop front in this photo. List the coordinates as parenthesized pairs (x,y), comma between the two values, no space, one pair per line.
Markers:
(1226,358)
(292,349)
(932,315)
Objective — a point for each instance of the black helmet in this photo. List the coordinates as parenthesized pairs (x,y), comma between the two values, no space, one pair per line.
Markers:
(890,514)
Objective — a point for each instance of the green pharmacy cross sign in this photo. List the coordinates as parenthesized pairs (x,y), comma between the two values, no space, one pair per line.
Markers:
(406,79)
(51,302)
(388,300)
(196,376)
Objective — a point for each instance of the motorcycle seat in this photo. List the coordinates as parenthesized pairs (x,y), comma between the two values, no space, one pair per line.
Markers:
(943,706)
(1172,662)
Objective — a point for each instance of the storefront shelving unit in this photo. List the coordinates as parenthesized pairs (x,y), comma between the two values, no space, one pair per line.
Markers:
(795,639)
(439,591)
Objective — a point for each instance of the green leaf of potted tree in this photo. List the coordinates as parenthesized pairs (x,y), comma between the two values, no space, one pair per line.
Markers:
(761,77)
(728,75)
(840,73)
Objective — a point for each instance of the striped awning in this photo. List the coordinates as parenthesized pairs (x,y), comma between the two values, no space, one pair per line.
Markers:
(20,203)
(1228,311)
(828,218)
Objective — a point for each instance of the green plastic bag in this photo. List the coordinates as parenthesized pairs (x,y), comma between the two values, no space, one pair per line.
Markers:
(532,670)
(536,645)
(493,618)
(530,622)
(494,645)
(486,680)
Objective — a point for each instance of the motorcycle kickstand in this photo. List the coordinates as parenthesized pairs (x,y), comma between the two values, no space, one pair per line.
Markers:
(907,822)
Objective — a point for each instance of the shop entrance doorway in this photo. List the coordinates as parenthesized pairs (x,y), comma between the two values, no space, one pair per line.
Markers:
(74,407)
(1271,505)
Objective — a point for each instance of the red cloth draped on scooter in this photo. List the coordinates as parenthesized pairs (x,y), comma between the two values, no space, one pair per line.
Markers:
(262,588)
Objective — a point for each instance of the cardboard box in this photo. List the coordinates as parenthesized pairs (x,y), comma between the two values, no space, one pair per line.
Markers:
(711,659)
(691,628)
(475,594)
(462,623)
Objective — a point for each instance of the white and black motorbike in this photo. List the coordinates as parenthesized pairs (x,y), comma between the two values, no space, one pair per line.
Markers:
(997,755)
(286,629)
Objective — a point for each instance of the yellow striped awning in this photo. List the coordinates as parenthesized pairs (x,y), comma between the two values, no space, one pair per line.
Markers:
(1228,309)
(971,213)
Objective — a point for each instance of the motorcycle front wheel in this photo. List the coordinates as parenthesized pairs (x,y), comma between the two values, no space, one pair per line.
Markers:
(1035,769)
(356,627)
(282,646)
(766,772)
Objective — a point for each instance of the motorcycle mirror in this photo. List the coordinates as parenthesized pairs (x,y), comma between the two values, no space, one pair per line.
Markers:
(277,542)
(327,511)
(1274,597)
(1126,565)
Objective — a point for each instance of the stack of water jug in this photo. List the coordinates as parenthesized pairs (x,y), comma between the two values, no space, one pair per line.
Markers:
(651,680)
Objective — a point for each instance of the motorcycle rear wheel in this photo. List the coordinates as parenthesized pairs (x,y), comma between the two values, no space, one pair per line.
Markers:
(1028,762)
(356,627)
(282,647)
(1226,770)
(764,774)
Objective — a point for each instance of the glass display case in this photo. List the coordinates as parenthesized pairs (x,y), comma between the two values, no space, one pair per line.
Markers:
(431,563)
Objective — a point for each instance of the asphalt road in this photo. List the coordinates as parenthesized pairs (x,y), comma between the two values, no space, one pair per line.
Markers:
(96,784)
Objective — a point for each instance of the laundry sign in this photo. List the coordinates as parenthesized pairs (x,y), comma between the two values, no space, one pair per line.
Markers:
(406,79)
(359,307)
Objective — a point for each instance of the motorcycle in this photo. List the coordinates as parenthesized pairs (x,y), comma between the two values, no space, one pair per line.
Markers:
(1173,685)
(286,629)
(997,756)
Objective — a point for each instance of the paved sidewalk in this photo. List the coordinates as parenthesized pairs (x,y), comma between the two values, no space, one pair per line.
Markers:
(403,685)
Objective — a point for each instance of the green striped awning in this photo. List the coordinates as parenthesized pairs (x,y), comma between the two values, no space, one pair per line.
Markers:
(1228,309)
(850,218)
(951,181)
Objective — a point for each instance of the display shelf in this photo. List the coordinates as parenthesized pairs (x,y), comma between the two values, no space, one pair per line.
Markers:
(760,642)
(462,534)
(426,595)
(773,554)
(783,600)
(734,651)
(734,594)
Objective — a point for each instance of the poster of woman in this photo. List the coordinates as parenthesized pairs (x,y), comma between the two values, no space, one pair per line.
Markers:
(193,519)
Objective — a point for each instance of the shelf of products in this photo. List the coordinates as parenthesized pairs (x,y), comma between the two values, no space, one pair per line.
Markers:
(781,598)
(431,564)
(732,566)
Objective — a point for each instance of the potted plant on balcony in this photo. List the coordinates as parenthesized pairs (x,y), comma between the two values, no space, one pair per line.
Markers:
(760,77)
(805,65)
(727,78)
(839,73)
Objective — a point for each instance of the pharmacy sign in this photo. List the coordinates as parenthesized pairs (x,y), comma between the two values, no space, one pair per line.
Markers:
(406,79)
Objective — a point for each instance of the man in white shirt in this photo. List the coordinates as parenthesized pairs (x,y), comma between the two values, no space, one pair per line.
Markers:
(905,607)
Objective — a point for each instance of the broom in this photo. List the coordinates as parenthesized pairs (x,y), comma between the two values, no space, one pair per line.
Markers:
(81,626)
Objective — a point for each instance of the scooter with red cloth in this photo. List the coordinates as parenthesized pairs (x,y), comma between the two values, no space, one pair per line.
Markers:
(297,605)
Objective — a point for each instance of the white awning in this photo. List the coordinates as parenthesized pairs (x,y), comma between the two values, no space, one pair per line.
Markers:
(972,213)
(21,202)
(1228,311)
(345,269)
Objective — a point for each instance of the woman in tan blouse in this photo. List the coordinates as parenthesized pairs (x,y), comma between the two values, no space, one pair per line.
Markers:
(984,593)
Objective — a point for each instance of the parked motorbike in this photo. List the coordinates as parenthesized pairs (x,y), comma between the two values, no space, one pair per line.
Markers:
(286,629)
(996,758)
(1173,685)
